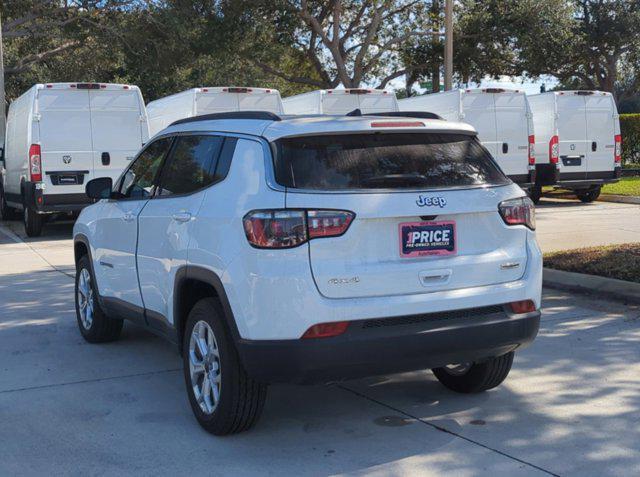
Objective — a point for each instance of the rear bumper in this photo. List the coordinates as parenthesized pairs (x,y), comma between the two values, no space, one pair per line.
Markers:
(584,180)
(37,200)
(391,345)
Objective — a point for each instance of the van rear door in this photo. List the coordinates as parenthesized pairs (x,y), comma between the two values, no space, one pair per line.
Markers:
(600,116)
(399,185)
(117,128)
(64,127)
(512,132)
(480,111)
(217,100)
(572,135)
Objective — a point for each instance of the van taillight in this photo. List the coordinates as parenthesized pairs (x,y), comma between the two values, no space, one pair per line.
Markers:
(289,228)
(520,211)
(617,154)
(532,151)
(35,163)
(554,150)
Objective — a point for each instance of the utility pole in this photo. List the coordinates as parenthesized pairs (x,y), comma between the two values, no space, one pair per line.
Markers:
(448,45)
(3,119)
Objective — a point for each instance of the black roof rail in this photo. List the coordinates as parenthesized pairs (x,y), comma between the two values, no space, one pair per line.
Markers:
(400,114)
(259,115)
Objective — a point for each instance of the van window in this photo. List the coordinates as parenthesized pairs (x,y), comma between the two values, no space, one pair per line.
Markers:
(384,161)
(191,165)
(137,181)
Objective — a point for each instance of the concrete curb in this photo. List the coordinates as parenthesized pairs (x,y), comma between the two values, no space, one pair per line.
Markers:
(622,199)
(580,282)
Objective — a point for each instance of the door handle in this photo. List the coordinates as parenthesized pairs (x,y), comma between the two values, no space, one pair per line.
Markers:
(505,148)
(128,217)
(106,159)
(594,146)
(182,217)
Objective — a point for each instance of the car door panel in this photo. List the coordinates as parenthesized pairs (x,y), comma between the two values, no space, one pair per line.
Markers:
(166,221)
(116,233)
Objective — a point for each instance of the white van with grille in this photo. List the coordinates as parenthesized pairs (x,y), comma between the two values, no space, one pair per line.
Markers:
(60,136)
(578,141)
(341,101)
(502,118)
(201,101)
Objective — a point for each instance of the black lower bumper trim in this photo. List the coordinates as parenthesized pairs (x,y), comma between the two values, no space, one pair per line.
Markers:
(366,350)
(41,202)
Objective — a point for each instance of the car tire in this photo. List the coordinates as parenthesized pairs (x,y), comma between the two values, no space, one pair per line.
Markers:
(477,377)
(33,222)
(234,402)
(95,326)
(6,212)
(535,193)
(589,195)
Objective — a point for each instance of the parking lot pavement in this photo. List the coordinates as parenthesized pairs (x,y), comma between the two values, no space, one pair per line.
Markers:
(569,407)
(568,224)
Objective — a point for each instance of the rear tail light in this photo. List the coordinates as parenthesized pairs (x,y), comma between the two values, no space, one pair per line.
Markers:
(326,330)
(290,228)
(532,150)
(35,163)
(554,150)
(328,223)
(520,211)
(617,155)
(524,306)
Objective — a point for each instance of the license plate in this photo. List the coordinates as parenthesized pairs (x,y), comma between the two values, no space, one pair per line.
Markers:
(418,239)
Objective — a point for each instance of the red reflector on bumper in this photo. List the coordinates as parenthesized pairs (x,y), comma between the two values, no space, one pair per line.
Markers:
(524,306)
(326,330)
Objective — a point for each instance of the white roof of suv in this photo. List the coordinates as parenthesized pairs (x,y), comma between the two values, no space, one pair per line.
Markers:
(273,127)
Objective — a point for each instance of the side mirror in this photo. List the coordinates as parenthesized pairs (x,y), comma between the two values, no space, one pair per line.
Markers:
(99,188)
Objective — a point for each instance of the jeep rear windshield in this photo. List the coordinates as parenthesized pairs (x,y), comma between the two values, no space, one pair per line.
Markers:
(384,161)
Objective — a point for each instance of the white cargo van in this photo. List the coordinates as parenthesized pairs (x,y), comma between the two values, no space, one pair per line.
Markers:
(60,136)
(341,101)
(502,118)
(578,141)
(199,101)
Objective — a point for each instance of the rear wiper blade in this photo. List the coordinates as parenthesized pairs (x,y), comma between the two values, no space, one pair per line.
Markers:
(399,179)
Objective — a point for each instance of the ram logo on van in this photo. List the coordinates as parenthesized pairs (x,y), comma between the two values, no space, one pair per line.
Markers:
(425,201)
(66,159)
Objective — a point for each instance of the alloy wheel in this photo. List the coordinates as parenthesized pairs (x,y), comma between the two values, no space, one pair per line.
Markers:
(204,367)
(85,298)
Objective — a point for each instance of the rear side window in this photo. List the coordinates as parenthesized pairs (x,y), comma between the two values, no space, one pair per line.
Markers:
(191,165)
(384,161)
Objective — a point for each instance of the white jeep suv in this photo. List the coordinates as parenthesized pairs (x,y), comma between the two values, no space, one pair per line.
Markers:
(312,249)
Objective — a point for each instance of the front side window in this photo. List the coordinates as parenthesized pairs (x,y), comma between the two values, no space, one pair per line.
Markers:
(137,181)
(191,165)
(384,161)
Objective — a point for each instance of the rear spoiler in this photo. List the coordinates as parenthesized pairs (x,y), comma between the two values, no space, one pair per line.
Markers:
(398,114)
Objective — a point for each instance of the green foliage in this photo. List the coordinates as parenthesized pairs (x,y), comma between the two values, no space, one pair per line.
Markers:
(630,130)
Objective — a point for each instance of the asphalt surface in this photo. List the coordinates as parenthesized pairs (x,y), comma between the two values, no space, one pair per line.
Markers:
(568,224)
(569,407)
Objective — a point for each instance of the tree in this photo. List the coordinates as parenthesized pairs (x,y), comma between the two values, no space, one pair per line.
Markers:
(348,42)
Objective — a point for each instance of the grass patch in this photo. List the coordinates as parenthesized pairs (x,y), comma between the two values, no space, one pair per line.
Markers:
(626,186)
(613,261)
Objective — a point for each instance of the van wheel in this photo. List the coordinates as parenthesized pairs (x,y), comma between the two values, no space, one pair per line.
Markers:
(6,212)
(95,326)
(589,195)
(224,399)
(33,222)
(475,377)
(535,193)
